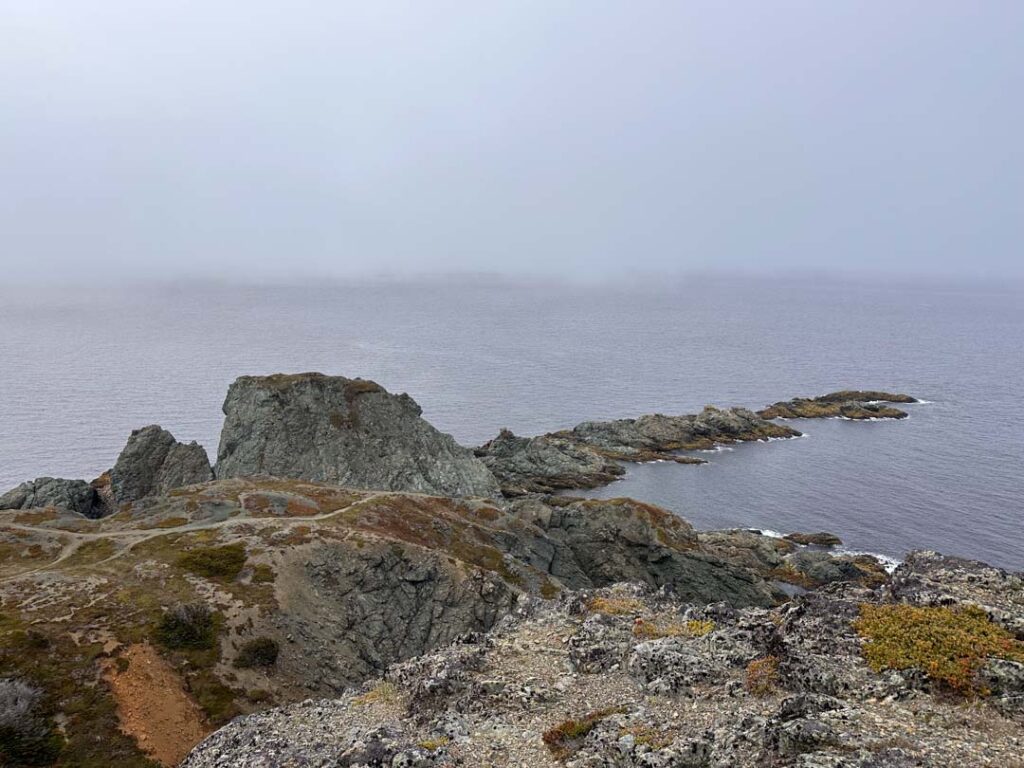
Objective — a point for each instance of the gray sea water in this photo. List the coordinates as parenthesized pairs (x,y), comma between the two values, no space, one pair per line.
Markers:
(81,367)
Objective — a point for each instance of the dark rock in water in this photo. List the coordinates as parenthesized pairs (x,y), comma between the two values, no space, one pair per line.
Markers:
(847,404)
(585,456)
(349,431)
(653,436)
(153,462)
(820,539)
(72,495)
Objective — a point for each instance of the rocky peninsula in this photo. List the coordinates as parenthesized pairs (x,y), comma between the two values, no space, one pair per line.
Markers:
(347,586)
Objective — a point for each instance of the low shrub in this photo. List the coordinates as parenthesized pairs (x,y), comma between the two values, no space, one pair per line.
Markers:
(382,692)
(615,606)
(949,645)
(436,743)
(652,630)
(563,739)
(762,676)
(258,652)
(224,562)
(189,626)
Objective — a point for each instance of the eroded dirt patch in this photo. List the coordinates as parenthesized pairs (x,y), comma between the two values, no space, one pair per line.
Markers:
(153,707)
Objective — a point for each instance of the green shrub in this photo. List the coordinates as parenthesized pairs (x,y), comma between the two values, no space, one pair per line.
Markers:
(762,676)
(950,645)
(190,626)
(214,562)
(258,652)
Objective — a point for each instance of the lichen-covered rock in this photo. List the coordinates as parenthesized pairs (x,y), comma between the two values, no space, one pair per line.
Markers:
(346,431)
(751,549)
(72,495)
(153,462)
(929,578)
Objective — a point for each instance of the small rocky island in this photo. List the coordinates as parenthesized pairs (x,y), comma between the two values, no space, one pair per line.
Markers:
(348,586)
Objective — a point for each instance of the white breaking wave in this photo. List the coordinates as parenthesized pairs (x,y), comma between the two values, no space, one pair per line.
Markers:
(888,562)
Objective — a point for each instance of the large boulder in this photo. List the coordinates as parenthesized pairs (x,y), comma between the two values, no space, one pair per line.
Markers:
(347,431)
(153,462)
(73,495)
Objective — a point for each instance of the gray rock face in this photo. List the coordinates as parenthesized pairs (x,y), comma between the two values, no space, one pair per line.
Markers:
(153,462)
(74,495)
(359,610)
(346,431)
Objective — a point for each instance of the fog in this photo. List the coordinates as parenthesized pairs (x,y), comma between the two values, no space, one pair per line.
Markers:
(260,141)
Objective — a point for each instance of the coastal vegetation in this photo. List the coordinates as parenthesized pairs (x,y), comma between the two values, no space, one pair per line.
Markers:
(949,645)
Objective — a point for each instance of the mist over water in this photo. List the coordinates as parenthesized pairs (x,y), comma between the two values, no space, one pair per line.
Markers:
(82,368)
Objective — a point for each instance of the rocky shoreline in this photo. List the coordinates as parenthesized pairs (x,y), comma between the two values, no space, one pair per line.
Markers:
(450,606)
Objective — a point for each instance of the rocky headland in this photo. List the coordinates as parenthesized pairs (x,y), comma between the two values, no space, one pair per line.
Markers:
(363,591)
(586,455)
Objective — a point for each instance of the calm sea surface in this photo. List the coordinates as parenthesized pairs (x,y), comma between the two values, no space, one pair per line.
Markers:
(81,368)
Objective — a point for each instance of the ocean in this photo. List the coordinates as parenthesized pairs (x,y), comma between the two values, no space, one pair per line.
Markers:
(83,366)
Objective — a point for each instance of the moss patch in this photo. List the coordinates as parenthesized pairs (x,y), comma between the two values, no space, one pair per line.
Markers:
(224,562)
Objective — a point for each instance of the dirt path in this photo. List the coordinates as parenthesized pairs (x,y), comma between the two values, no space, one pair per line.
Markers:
(136,537)
(153,707)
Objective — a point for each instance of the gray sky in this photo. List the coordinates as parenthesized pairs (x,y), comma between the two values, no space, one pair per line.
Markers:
(188,138)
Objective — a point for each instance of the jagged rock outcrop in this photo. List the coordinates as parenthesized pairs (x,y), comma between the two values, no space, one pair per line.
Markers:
(545,464)
(585,456)
(846,404)
(71,495)
(629,677)
(153,462)
(346,431)
(601,542)
(930,578)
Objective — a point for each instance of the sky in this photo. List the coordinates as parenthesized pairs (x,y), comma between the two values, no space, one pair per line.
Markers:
(260,141)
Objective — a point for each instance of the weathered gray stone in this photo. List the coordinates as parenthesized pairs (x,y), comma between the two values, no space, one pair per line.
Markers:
(346,431)
(153,462)
(72,495)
